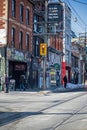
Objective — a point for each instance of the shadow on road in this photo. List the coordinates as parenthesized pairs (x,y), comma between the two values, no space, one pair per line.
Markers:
(16,116)
(9,117)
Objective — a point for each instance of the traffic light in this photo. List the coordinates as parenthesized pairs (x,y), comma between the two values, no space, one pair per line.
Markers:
(43,49)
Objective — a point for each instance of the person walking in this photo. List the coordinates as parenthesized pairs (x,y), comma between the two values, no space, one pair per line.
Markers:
(7,83)
(22,82)
(65,81)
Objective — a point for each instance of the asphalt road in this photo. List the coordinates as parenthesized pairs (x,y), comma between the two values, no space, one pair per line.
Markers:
(43,110)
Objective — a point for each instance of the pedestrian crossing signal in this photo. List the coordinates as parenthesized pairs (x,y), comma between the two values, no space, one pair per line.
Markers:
(43,49)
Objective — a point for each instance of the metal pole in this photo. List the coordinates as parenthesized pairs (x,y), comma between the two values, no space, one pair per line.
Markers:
(85,58)
(45,40)
(45,37)
(44,73)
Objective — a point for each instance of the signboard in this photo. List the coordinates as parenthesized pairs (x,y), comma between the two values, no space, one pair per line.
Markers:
(55,12)
(57,66)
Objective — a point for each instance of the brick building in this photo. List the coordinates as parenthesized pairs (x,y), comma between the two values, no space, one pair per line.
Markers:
(16,28)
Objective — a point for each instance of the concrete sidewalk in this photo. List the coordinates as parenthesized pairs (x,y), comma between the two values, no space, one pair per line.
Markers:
(70,87)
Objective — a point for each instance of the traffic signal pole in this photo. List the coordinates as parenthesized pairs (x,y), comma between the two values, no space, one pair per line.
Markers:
(43,53)
(44,72)
(45,39)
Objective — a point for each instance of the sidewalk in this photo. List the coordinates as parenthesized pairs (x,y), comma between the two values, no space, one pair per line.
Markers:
(55,89)
(70,87)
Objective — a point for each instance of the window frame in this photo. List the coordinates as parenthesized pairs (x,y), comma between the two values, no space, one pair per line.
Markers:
(20,40)
(13,8)
(27,16)
(27,41)
(13,32)
(21,12)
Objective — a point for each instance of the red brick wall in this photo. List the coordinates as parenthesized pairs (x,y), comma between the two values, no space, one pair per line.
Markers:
(56,42)
(20,26)
(2,12)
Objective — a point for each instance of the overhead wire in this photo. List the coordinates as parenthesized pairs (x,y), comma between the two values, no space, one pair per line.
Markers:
(80,2)
(79,21)
(76,13)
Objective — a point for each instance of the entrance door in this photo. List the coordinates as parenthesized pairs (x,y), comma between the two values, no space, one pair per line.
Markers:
(16,69)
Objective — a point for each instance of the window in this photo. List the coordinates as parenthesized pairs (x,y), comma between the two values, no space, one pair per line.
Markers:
(21,40)
(13,36)
(27,16)
(13,8)
(21,13)
(27,41)
(35,25)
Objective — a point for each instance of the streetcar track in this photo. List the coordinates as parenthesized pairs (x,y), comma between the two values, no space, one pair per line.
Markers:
(20,115)
(66,119)
(61,102)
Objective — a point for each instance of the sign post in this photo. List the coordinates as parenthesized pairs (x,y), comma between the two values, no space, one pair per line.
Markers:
(43,48)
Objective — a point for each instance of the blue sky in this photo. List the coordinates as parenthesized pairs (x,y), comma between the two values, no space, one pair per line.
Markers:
(79,15)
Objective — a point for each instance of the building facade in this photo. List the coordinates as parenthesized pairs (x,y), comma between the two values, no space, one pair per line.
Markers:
(78,62)
(66,42)
(38,37)
(59,27)
(16,30)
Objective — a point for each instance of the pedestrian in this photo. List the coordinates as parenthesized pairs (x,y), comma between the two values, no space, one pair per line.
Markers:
(7,83)
(65,81)
(22,82)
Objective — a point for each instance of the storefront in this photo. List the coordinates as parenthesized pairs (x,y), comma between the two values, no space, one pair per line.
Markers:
(17,64)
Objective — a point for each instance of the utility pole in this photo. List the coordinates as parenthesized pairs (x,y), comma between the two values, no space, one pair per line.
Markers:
(85,59)
(46,41)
